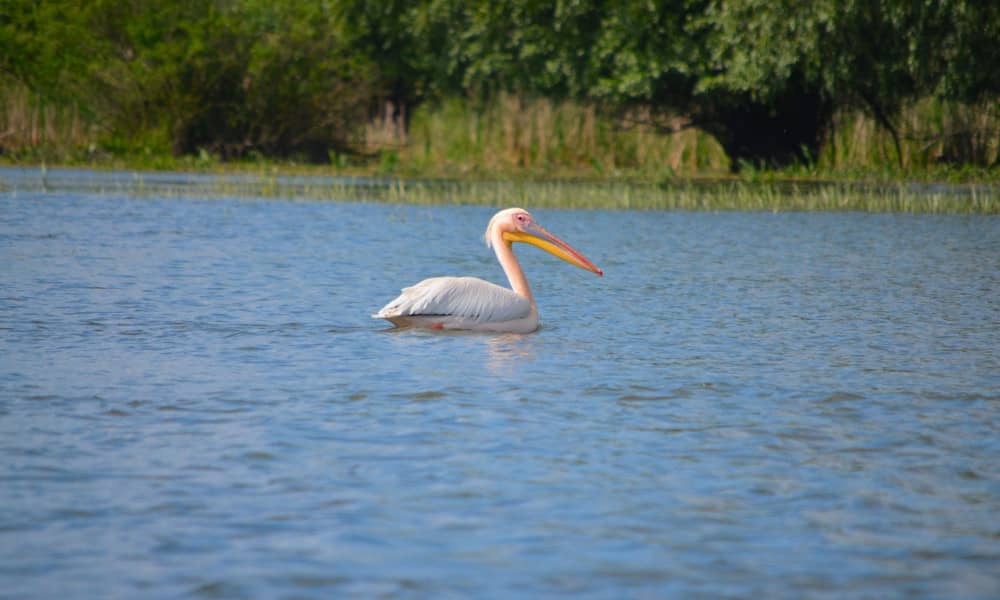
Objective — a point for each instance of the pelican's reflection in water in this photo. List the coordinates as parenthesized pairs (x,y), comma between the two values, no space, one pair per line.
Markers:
(509,352)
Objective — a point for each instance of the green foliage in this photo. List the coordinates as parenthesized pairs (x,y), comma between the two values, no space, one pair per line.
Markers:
(877,54)
(236,78)
(228,77)
(34,46)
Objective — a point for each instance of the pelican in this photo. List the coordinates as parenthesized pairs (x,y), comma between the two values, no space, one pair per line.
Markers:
(473,304)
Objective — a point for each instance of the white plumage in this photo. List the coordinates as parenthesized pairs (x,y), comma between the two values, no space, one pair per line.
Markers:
(459,303)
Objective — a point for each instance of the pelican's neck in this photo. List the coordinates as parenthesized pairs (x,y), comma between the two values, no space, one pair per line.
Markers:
(515,275)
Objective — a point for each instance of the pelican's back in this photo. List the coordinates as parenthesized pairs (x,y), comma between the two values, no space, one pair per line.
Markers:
(465,300)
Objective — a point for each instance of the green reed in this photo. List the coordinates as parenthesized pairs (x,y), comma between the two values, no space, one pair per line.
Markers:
(544,137)
(711,196)
(720,195)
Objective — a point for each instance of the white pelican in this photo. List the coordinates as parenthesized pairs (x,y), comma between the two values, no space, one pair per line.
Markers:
(471,303)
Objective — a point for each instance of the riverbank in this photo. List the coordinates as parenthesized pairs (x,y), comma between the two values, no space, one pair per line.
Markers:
(401,164)
(718,194)
(514,139)
(542,154)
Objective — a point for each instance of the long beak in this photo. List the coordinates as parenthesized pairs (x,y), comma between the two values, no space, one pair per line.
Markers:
(536,235)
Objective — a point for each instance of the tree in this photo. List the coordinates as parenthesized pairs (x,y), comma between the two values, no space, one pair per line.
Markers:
(872,54)
(280,77)
(277,78)
(254,76)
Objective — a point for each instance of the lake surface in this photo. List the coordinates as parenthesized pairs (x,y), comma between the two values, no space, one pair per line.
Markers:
(194,402)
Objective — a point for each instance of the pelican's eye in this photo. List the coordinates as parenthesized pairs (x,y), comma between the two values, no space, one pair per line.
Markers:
(522,219)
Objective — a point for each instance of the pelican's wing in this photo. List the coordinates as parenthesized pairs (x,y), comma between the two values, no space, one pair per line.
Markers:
(466,297)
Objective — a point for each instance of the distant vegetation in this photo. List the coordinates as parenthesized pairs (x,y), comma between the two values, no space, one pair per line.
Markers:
(451,87)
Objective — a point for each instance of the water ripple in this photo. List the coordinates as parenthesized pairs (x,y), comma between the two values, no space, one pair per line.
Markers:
(746,405)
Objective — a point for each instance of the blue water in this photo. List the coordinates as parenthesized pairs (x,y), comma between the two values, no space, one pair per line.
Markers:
(194,402)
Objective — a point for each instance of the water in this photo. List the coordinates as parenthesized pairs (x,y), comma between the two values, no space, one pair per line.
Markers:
(194,402)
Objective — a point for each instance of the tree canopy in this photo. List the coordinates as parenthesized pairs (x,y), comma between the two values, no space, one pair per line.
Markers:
(277,77)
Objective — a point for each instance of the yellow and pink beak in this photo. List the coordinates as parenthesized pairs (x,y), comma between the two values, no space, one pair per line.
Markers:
(536,235)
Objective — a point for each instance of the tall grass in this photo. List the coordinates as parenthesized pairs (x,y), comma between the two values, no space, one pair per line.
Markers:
(516,138)
(541,136)
(931,133)
(33,128)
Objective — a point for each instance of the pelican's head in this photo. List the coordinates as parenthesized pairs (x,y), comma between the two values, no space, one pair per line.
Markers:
(517,225)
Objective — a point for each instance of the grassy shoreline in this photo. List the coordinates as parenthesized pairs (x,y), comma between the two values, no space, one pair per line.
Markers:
(719,194)
(377,165)
(544,153)
(512,138)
